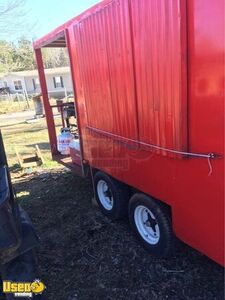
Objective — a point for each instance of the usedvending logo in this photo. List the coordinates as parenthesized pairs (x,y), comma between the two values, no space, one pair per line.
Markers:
(23,289)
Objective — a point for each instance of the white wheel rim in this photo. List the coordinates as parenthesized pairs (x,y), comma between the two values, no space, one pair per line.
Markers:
(146,224)
(105,195)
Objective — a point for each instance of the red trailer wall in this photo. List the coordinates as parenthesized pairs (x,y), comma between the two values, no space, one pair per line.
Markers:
(159,38)
(108,72)
(138,84)
(131,74)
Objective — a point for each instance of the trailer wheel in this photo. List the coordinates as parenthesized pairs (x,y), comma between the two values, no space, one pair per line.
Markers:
(152,225)
(111,195)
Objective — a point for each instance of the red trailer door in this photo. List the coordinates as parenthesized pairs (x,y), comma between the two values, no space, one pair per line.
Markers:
(159,38)
(104,48)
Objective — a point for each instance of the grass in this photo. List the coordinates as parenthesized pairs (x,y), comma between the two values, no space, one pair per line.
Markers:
(24,137)
(7,106)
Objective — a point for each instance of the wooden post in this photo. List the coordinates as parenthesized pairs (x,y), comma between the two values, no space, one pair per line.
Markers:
(48,109)
(26,98)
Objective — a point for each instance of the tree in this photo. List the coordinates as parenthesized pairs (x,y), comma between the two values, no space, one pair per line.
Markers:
(24,55)
(55,57)
(20,56)
(16,57)
(7,56)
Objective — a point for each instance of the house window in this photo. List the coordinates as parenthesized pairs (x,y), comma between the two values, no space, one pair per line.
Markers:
(58,81)
(36,83)
(18,85)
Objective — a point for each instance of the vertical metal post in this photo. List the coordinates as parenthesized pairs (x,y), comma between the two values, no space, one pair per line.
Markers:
(48,109)
(69,43)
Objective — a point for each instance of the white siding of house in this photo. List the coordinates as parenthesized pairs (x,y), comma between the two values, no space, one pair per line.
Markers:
(29,85)
(27,82)
(66,82)
(10,82)
(59,91)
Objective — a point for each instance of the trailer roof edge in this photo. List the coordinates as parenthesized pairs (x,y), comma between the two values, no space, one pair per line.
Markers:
(56,37)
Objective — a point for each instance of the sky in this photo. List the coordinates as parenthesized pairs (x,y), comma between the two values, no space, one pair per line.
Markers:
(48,14)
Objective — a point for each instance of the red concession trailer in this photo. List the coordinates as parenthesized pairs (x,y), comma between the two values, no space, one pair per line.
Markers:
(148,79)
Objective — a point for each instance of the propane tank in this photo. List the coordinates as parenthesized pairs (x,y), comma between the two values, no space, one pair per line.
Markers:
(63,141)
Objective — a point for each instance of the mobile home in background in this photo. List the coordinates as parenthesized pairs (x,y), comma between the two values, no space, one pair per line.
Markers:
(58,82)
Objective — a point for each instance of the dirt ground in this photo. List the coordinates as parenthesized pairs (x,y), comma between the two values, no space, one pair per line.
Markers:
(83,255)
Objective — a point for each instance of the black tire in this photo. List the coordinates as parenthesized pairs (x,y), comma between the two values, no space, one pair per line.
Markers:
(155,232)
(117,192)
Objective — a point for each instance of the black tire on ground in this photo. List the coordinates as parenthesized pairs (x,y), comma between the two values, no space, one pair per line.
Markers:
(111,195)
(152,224)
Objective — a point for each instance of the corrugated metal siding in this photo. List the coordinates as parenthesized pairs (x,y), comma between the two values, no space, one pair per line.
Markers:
(107,68)
(95,73)
(129,56)
(158,62)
